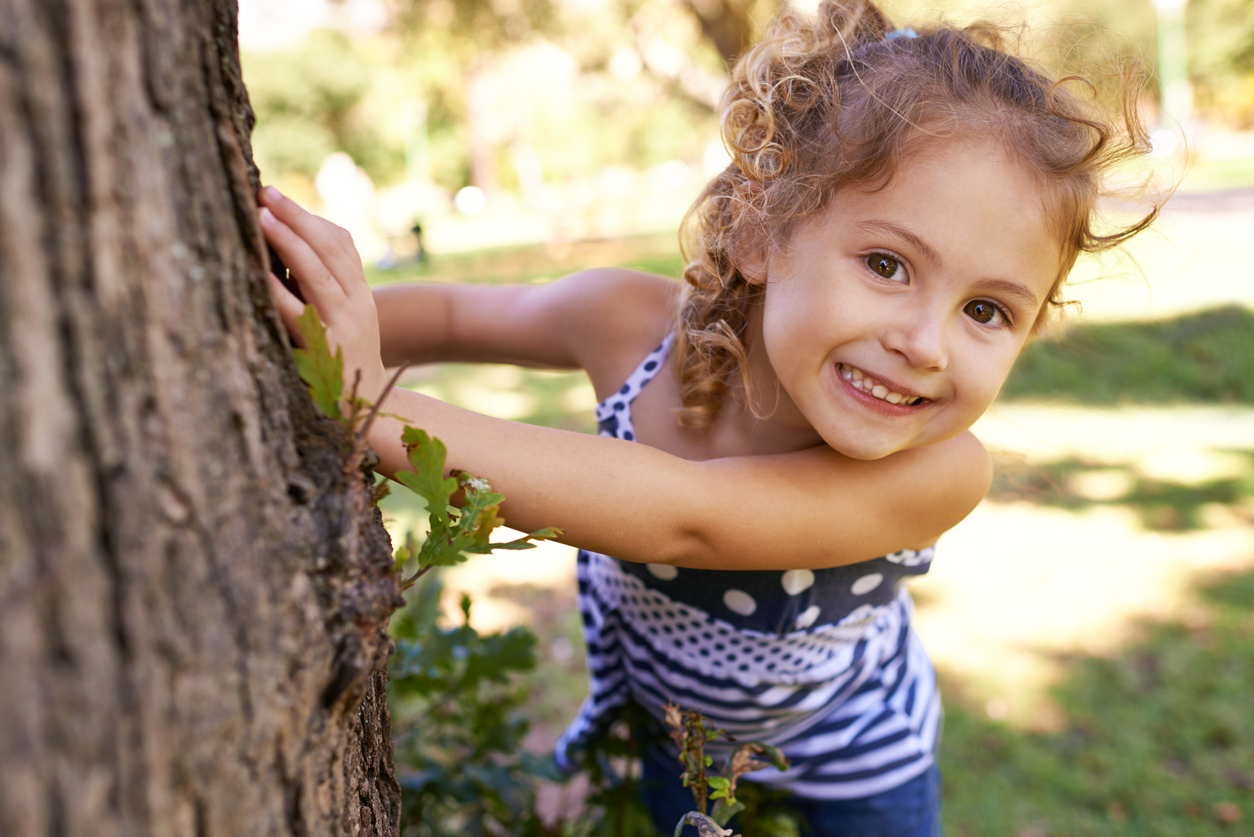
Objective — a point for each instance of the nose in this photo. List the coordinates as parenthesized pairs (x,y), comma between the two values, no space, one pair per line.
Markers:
(919,338)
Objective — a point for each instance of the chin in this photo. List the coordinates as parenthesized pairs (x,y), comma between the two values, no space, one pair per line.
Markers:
(865,453)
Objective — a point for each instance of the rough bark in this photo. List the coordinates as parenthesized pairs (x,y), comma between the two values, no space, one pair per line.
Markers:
(193,587)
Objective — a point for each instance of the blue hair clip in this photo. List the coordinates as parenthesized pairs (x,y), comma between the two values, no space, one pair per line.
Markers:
(901,33)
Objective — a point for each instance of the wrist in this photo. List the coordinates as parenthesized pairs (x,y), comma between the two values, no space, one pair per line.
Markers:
(372,386)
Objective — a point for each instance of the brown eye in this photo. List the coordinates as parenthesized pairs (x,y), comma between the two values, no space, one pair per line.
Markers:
(983,311)
(884,265)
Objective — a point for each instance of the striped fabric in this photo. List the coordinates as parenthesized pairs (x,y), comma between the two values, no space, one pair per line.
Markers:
(821,663)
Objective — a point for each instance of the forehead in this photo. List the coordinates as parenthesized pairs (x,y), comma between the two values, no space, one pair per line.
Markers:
(973,204)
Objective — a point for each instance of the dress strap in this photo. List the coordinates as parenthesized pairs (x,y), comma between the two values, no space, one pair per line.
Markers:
(614,413)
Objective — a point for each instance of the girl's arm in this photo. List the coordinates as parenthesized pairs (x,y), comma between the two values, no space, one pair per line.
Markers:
(558,325)
(808,509)
(812,508)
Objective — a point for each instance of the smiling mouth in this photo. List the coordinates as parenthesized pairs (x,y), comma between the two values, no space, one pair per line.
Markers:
(874,388)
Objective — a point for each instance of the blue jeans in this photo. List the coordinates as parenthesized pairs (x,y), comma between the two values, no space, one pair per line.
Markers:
(911,809)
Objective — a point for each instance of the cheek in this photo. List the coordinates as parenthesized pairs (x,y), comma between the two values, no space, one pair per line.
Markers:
(785,323)
(984,372)
(993,375)
(800,305)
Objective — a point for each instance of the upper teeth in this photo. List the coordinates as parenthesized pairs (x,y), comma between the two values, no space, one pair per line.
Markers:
(873,387)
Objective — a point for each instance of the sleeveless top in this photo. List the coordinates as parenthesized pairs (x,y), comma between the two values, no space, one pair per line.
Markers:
(821,663)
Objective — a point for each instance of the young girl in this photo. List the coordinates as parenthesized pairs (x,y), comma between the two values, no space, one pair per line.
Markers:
(784,435)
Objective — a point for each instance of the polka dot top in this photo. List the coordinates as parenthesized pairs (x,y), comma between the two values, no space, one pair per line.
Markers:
(821,663)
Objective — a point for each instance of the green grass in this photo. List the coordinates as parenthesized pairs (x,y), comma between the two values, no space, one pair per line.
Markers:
(543,397)
(1158,740)
(1162,505)
(1204,173)
(539,263)
(1219,175)
(1206,357)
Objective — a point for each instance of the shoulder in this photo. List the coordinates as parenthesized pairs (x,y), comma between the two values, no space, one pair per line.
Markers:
(616,317)
(621,291)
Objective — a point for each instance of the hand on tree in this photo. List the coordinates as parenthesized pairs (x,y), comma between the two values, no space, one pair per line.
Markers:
(327,269)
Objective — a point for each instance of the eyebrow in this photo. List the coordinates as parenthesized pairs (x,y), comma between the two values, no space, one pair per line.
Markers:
(1005,286)
(877,226)
(1013,289)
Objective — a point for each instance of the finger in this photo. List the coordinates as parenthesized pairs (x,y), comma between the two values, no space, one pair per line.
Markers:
(289,307)
(333,244)
(317,283)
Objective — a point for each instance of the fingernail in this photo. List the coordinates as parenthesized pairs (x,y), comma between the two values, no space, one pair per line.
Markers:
(267,217)
(272,194)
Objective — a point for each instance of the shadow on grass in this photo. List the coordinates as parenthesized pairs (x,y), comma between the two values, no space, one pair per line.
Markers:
(1162,505)
(1158,740)
(1207,357)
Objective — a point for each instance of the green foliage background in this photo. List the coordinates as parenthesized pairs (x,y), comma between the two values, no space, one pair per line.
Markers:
(332,93)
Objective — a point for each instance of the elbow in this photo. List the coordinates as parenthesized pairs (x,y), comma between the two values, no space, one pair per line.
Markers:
(969,483)
(688,546)
(982,476)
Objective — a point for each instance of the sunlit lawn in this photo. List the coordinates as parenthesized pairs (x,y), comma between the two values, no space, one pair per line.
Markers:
(1155,739)
(1093,622)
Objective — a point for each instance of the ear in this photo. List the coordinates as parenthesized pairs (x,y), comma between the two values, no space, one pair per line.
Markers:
(751,247)
(753,264)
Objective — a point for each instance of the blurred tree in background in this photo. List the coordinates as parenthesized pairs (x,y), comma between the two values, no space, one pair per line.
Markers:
(1221,59)
(311,96)
(727,24)
(502,92)
(1221,48)
(505,94)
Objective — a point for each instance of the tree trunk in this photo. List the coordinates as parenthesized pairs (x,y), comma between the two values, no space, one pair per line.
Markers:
(193,587)
(726,24)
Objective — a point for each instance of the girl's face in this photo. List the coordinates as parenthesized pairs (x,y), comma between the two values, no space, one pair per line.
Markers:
(892,318)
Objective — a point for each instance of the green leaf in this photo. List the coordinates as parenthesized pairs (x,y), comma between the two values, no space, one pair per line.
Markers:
(527,541)
(501,654)
(776,755)
(720,785)
(321,372)
(723,811)
(400,558)
(454,533)
(438,551)
(426,457)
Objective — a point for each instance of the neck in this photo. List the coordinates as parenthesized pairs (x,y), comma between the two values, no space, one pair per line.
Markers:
(765,409)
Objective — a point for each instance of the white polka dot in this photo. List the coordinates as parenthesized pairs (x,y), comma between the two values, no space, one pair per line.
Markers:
(740,602)
(796,581)
(866,584)
(862,613)
(806,619)
(663,571)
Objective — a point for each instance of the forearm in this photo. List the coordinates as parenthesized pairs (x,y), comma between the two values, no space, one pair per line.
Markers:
(413,323)
(477,323)
(808,509)
(573,481)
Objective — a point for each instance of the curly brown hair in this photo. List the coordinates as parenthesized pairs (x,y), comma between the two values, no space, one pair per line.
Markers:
(834,101)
